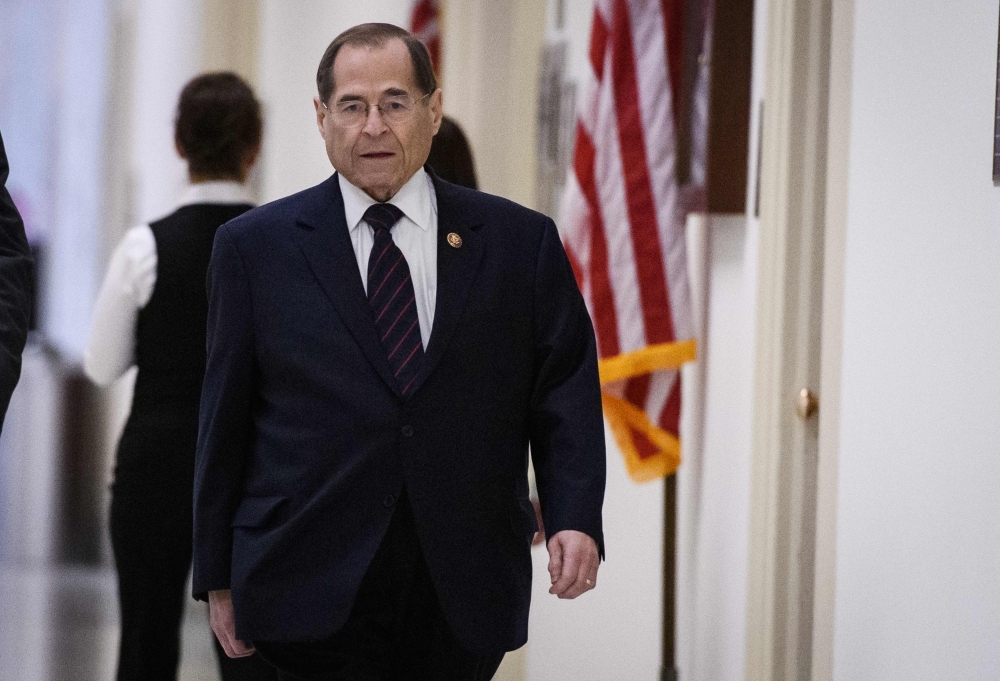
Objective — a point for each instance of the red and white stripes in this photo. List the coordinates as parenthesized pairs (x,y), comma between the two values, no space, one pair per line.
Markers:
(620,220)
(424,24)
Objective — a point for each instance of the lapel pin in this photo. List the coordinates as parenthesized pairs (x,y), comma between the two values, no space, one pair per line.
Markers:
(454,240)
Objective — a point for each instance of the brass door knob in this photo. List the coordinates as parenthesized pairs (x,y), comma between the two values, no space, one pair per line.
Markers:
(807,404)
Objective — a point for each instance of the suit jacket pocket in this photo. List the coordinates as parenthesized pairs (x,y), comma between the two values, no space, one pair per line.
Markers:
(256,511)
(522,518)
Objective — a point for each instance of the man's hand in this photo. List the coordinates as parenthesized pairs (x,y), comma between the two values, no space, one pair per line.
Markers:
(220,610)
(573,563)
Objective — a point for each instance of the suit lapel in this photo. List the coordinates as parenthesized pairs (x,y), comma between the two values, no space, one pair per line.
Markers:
(328,249)
(456,273)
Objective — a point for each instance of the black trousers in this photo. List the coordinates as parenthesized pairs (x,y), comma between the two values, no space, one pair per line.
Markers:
(151,537)
(396,630)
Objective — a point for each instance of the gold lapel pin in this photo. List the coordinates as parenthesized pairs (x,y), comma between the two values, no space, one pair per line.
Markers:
(454,240)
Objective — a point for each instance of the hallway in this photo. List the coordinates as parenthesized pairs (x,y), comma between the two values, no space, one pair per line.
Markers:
(60,624)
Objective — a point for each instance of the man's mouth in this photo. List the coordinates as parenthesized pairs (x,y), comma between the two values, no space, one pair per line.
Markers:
(378,155)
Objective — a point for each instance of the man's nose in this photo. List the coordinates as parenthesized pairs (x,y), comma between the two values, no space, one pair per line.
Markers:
(374,125)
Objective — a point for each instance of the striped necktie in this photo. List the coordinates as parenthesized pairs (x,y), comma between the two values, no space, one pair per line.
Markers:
(390,294)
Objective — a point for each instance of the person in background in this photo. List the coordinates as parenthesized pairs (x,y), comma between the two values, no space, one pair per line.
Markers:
(15,289)
(151,313)
(451,155)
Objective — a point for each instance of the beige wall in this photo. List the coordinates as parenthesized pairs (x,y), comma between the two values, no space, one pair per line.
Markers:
(491,53)
(231,37)
(293,36)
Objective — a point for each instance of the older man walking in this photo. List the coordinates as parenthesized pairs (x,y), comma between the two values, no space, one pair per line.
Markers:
(382,349)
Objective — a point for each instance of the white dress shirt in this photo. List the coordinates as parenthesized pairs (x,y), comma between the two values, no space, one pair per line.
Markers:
(129,285)
(415,234)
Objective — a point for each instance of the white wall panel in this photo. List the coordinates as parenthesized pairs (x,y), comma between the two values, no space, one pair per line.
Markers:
(71,264)
(714,483)
(167,54)
(293,36)
(918,584)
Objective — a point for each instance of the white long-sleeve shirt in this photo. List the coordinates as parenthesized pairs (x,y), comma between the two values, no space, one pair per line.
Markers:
(415,234)
(129,284)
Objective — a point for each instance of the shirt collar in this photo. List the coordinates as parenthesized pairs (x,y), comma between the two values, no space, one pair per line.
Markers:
(225,191)
(413,198)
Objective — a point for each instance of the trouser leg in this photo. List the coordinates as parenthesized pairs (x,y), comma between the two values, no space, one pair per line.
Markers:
(152,549)
(396,630)
(425,645)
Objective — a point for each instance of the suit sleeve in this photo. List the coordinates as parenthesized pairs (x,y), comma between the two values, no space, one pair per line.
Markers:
(226,423)
(15,289)
(567,423)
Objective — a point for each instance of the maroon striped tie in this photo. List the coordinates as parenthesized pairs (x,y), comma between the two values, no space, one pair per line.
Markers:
(390,294)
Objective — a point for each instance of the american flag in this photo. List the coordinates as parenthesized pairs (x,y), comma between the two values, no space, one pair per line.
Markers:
(424,24)
(623,227)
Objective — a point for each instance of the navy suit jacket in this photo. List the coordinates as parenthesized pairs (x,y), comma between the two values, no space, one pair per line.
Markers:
(305,443)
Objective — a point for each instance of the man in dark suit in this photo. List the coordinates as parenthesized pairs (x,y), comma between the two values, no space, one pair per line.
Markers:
(15,289)
(382,348)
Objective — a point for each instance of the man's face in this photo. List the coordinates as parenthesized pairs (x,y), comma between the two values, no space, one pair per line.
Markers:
(377,156)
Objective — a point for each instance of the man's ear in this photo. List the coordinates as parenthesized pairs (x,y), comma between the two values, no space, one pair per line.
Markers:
(321,113)
(436,103)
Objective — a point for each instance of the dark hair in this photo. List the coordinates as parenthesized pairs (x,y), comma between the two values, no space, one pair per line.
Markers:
(218,123)
(374,36)
(451,156)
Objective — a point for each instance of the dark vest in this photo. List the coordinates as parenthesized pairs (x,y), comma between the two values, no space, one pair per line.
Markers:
(161,433)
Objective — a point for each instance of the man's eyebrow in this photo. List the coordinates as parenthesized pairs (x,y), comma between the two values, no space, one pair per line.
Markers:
(392,91)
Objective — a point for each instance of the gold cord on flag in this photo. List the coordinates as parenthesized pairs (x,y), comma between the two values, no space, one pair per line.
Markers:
(627,420)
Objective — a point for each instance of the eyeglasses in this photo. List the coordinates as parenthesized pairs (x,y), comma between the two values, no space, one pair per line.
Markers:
(394,109)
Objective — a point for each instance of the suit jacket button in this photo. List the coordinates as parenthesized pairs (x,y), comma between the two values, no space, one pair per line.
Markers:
(389,501)
(407,431)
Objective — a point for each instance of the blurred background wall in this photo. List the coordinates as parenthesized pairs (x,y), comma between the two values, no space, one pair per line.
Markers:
(87,96)
(88,90)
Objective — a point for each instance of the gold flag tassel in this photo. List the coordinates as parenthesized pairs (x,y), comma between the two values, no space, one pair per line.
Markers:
(628,422)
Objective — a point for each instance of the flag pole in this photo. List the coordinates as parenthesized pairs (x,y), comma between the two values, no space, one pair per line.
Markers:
(668,671)
(694,17)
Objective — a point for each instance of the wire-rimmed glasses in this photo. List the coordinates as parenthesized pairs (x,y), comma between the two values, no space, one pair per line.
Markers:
(394,108)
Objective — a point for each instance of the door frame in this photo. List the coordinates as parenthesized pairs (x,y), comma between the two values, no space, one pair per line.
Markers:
(835,247)
(803,216)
